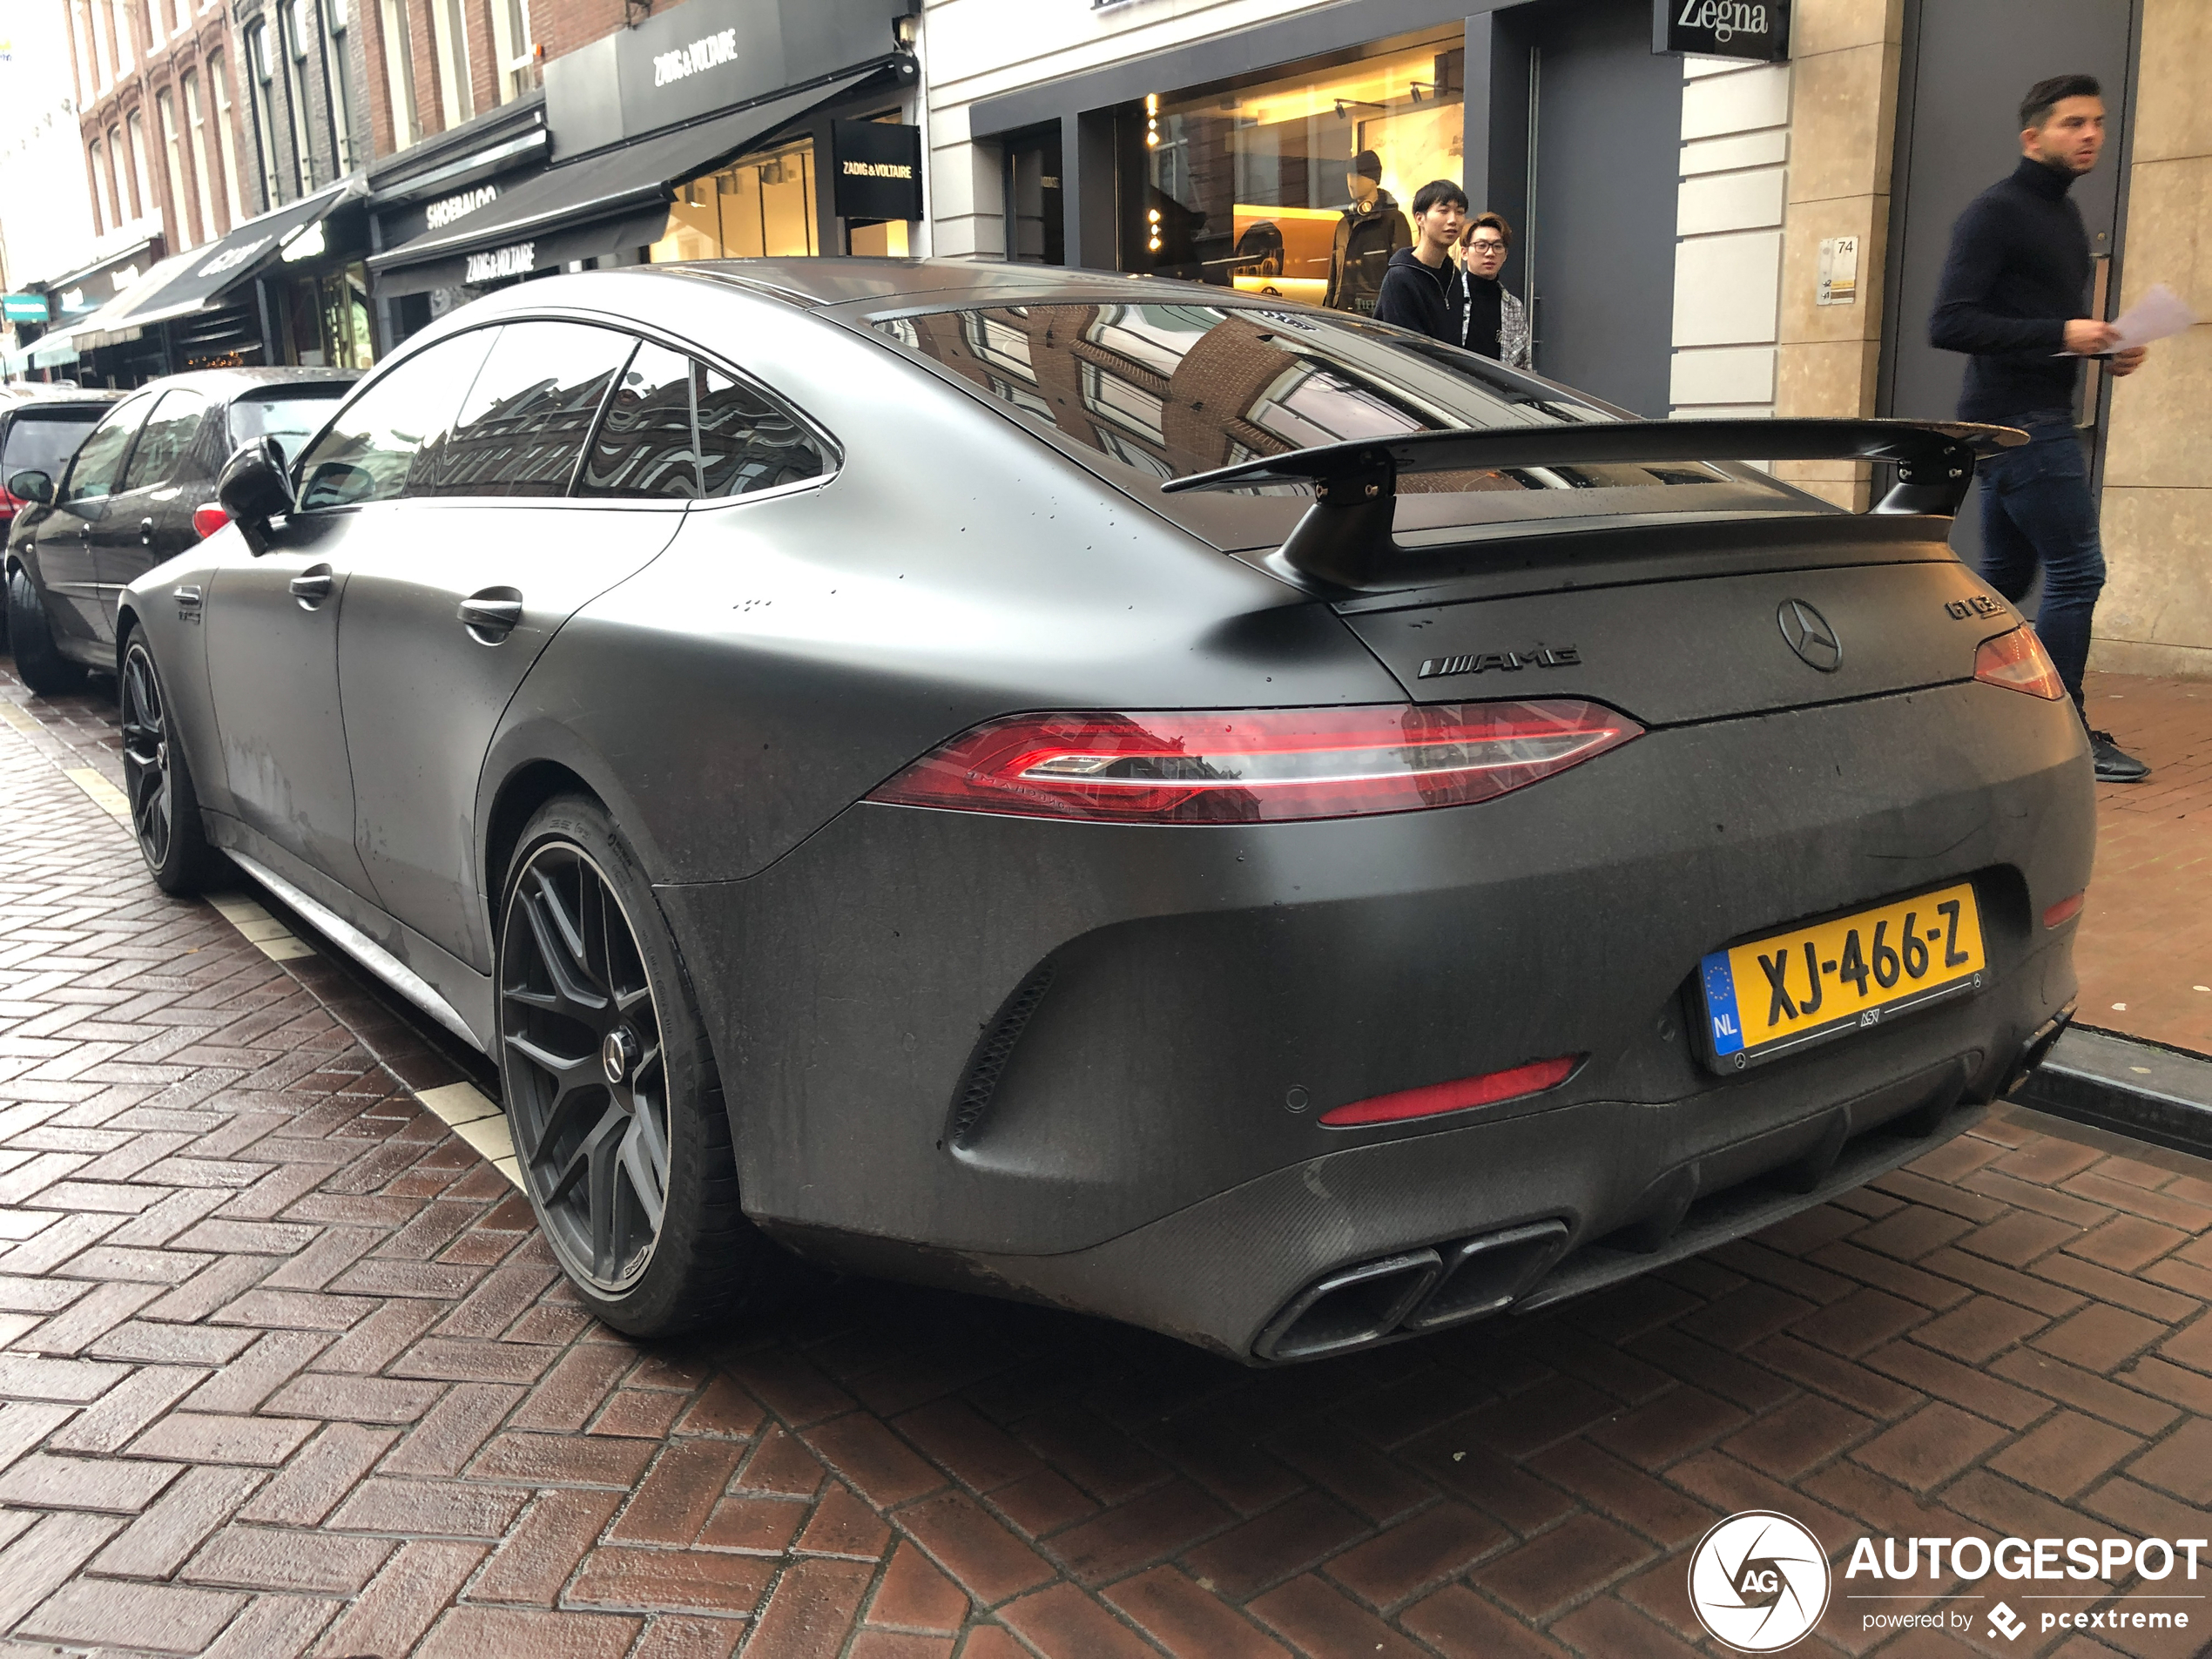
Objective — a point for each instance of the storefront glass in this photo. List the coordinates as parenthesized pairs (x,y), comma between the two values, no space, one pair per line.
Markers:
(1246,186)
(762,203)
(327,319)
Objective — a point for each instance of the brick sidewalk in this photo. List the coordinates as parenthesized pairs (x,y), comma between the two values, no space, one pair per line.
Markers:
(283,1369)
(2145,950)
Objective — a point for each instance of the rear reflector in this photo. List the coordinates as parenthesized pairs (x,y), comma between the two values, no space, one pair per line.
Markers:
(208,519)
(2018,661)
(2063,912)
(1256,766)
(1486,1090)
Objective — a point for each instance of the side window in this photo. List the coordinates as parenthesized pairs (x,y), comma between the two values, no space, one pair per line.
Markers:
(169,432)
(524,422)
(645,445)
(385,443)
(746,443)
(93,475)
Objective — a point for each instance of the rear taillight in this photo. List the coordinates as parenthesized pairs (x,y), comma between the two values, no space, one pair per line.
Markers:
(2065,911)
(208,518)
(1428,1101)
(2018,661)
(1256,766)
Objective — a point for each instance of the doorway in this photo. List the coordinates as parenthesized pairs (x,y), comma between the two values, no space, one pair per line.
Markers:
(1965,64)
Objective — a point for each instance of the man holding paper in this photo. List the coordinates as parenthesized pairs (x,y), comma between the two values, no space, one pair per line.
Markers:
(2013,294)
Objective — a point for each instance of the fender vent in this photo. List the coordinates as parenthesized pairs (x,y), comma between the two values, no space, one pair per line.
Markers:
(987,1064)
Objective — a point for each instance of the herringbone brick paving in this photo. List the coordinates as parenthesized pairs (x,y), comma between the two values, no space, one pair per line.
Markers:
(285,1370)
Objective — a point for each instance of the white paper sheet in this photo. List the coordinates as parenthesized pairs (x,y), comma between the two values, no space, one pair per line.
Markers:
(2158,315)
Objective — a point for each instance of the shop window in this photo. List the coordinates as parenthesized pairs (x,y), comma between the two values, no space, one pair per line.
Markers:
(760,205)
(327,315)
(1249,187)
(525,421)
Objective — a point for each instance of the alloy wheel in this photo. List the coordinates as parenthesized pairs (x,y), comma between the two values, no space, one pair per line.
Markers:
(585,1068)
(146,776)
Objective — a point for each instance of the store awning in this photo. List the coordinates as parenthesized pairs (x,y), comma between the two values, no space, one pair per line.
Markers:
(109,325)
(595,205)
(209,273)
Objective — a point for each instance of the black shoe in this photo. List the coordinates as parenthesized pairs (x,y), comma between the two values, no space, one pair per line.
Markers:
(2114,764)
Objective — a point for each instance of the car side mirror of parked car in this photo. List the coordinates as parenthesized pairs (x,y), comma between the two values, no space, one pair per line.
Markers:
(255,488)
(33,486)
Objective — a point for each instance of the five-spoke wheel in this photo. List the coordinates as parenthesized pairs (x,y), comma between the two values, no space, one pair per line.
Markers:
(586,1066)
(164,808)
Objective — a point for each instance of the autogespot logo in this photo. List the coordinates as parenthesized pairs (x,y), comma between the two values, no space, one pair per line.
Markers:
(1758,1582)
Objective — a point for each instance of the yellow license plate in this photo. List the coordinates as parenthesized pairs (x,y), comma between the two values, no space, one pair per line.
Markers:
(1788,989)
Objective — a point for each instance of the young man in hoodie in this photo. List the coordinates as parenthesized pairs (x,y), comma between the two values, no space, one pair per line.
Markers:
(1418,286)
(1370,231)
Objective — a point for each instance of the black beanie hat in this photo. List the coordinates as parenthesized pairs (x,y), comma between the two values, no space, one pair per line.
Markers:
(1368,164)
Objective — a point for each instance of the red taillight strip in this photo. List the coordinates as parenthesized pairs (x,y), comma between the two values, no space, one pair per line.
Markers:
(1428,1101)
(1256,766)
(2065,911)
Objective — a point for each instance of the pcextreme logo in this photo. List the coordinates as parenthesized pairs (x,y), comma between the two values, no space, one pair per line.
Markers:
(1758,1582)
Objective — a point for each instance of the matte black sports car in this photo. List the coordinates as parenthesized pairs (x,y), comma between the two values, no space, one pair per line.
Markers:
(137,491)
(1236,819)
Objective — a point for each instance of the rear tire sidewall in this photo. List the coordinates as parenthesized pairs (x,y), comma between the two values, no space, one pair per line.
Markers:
(39,663)
(670,1296)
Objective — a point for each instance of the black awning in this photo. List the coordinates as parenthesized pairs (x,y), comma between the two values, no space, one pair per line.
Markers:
(213,271)
(596,204)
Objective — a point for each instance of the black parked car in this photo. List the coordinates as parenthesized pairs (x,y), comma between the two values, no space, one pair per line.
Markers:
(1234,817)
(140,489)
(39,431)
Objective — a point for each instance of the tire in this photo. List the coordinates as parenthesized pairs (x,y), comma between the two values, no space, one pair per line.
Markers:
(164,808)
(611,1090)
(39,664)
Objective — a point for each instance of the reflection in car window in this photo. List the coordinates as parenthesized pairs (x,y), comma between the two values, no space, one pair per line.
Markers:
(746,443)
(386,441)
(291,417)
(1169,390)
(44,439)
(168,433)
(99,463)
(524,422)
(645,445)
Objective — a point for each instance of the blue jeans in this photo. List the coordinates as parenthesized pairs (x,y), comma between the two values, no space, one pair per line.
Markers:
(2036,510)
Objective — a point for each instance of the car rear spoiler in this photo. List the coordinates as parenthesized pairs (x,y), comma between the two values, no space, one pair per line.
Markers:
(1345,537)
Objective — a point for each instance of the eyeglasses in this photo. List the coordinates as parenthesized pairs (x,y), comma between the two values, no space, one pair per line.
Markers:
(1488,244)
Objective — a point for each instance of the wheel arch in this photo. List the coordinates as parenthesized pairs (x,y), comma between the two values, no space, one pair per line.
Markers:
(521,793)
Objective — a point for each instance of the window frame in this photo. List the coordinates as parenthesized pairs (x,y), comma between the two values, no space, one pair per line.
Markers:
(125,483)
(62,498)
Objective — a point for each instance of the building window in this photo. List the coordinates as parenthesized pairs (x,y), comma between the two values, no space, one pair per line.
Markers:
(80,41)
(759,205)
(1245,187)
(99,23)
(292,43)
(218,84)
(138,162)
(196,125)
(115,182)
(398,74)
(172,156)
(450,37)
(332,18)
(260,88)
(118,23)
(103,192)
(510,30)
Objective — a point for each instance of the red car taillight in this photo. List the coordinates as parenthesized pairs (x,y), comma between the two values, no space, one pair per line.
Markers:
(207,519)
(1516,1082)
(7,506)
(1256,766)
(2018,661)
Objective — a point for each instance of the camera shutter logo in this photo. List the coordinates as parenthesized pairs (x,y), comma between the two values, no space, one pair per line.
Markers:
(1758,1582)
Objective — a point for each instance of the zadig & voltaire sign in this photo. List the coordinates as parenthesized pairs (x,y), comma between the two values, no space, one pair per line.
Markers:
(710,52)
(500,263)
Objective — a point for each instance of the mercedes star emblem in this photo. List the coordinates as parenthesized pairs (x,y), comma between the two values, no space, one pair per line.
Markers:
(1809,634)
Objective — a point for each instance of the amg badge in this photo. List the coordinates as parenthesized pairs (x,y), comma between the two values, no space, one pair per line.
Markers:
(1482,661)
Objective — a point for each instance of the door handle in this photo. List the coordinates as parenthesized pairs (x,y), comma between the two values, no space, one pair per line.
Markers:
(490,616)
(311,586)
(145,532)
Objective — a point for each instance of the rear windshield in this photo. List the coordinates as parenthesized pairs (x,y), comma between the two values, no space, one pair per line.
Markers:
(1157,392)
(44,439)
(291,417)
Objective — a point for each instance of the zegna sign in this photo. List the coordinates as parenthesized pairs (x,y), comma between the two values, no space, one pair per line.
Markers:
(1756,30)
(703,57)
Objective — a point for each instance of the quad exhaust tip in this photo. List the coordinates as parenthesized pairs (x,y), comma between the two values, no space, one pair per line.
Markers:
(1414,1291)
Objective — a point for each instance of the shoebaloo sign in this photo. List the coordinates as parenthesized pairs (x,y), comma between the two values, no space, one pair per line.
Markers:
(1757,29)
(1759,1582)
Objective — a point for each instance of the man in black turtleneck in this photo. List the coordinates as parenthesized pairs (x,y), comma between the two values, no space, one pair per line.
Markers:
(2013,292)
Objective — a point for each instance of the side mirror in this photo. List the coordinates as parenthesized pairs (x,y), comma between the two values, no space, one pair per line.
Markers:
(33,486)
(255,487)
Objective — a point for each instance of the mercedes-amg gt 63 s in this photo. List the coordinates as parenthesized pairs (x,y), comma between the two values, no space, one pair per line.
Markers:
(1218,814)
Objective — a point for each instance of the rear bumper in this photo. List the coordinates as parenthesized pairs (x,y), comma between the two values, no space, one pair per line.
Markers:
(1084,1062)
